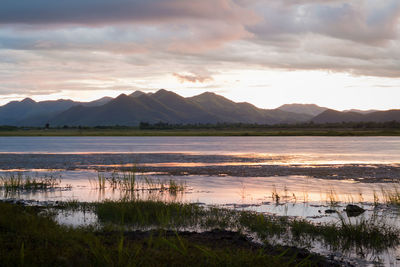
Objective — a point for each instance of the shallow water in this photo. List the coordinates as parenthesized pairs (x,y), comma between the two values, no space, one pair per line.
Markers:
(297,196)
(304,193)
(300,149)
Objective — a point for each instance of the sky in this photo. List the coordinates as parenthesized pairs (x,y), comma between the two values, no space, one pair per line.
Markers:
(340,54)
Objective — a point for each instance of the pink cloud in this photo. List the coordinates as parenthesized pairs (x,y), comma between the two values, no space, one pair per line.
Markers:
(192,78)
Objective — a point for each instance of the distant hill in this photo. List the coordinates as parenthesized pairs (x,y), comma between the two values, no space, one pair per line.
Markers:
(333,116)
(169,107)
(137,94)
(229,111)
(98,102)
(31,113)
(27,111)
(309,109)
(361,111)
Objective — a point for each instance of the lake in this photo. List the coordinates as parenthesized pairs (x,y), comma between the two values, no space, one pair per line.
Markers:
(302,149)
(299,177)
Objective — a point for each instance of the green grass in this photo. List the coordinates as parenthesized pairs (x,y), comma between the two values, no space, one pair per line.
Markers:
(204,132)
(17,182)
(366,234)
(391,197)
(127,182)
(30,239)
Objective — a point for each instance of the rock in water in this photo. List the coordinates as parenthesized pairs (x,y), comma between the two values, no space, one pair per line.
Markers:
(353,210)
(329,211)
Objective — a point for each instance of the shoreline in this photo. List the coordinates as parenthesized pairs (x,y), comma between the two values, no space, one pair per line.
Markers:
(204,132)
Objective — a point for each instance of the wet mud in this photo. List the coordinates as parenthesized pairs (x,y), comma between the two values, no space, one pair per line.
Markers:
(188,164)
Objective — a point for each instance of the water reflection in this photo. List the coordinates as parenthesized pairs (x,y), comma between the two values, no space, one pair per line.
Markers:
(293,196)
(299,195)
(311,149)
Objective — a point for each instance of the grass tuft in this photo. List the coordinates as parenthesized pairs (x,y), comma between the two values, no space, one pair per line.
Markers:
(17,182)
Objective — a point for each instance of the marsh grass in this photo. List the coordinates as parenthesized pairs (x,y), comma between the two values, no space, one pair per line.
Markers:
(391,197)
(128,182)
(17,182)
(175,187)
(275,195)
(345,234)
(332,198)
(386,196)
(30,239)
(101,181)
(155,214)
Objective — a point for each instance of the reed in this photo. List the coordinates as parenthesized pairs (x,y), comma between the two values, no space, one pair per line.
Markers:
(101,181)
(368,234)
(332,198)
(127,182)
(275,195)
(31,238)
(391,197)
(17,182)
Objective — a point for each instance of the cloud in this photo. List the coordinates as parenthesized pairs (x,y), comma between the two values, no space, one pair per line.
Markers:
(48,45)
(100,12)
(370,22)
(192,78)
(123,26)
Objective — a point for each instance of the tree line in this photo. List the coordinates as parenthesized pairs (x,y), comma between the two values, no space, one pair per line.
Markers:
(222,126)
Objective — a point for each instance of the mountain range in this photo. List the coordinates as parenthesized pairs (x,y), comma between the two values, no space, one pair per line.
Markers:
(334,116)
(167,106)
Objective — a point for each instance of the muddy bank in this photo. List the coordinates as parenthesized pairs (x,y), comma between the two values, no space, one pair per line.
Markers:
(359,173)
(223,239)
(73,161)
(188,164)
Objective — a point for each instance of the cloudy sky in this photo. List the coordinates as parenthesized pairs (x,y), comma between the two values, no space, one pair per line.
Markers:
(336,53)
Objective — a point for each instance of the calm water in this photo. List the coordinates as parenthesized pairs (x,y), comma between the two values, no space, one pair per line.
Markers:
(300,196)
(301,149)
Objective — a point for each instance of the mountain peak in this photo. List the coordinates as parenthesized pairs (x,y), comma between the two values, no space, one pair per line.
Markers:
(137,93)
(28,101)
(121,97)
(207,94)
(310,109)
(163,92)
(211,97)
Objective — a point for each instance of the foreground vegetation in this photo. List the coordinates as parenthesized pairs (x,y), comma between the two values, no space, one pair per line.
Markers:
(142,233)
(127,182)
(18,182)
(134,232)
(28,238)
(344,235)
